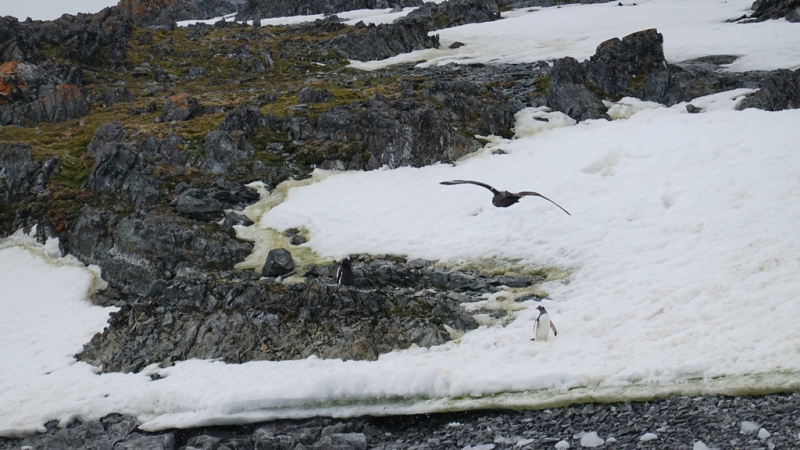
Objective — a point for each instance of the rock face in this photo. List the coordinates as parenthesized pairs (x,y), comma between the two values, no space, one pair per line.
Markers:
(138,250)
(776,9)
(166,12)
(255,9)
(87,40)
(32,93)
(179,107)
(20,176)
(778,90)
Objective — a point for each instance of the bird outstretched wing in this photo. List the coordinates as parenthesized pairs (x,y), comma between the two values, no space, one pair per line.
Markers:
(478,183)
(536,194)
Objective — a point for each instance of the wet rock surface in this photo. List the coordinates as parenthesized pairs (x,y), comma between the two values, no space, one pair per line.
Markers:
(236,316)
(675,423)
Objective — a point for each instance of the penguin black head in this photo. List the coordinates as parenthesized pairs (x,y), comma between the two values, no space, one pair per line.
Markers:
(346,262)
(541,309)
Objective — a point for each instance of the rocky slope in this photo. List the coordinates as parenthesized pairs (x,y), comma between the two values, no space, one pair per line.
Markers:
(132,141)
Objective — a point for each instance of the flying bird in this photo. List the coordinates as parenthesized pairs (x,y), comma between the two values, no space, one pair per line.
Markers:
(503,199)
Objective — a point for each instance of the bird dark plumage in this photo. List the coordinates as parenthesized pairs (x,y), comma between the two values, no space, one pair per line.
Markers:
(503,199)
(344,276)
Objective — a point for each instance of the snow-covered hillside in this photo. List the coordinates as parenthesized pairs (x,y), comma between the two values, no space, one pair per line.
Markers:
(680,258)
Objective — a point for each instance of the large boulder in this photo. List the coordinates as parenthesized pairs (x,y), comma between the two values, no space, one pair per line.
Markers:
(224,150)
(179,107)
(279,262)
(136,251)
(568,92)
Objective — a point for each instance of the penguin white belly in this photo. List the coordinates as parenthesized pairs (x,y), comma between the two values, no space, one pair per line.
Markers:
(543,327)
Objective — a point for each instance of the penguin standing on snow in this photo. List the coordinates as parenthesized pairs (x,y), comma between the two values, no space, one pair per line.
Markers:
(543,324)
(344,276)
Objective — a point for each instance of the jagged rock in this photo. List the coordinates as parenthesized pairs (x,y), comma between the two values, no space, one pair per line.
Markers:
(619,64)
(311,95)
(568,93)
(168,150)
(29,92)
(20,176)
(242,119)
(166,12)
(255,10)
(111,97)
(202,208)
(453,13)
(106,133)
(779,90)
(376,42)
(234,218)
(138,250)
(179,107)
(223,150)
(776,9)
(279,262)
(86,40)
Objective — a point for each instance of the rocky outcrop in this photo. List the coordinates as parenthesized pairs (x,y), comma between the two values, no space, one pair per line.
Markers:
(432,123)
(87,40)
(778,90)
(138,250)
(394,304)
(38,94)
(375,42)
(279,262)
(166,12)
(255,9)
(20,176)
(179,107)
(452,13)
(775,9)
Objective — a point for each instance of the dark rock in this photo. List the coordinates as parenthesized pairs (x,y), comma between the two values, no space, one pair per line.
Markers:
(233,218)
(568,93)
(20,176)
(279,262)
(205,208)
(168,150)
(105,134)
(179,107)
(111,97)
(377,42)
(165,13)
(776,9)
(223,150)
(779,90)
(691,109)
(246,120)
(136,251)
(617,64)
(453,13)
(255,10)
(114,161)
(29,92)
(311,95)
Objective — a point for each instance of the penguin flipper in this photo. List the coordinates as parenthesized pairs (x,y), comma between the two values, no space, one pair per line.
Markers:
(553,327)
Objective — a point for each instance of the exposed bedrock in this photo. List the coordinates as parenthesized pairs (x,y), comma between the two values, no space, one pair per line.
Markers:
(179,311)
(260,9)
(29,92)
(20,175)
